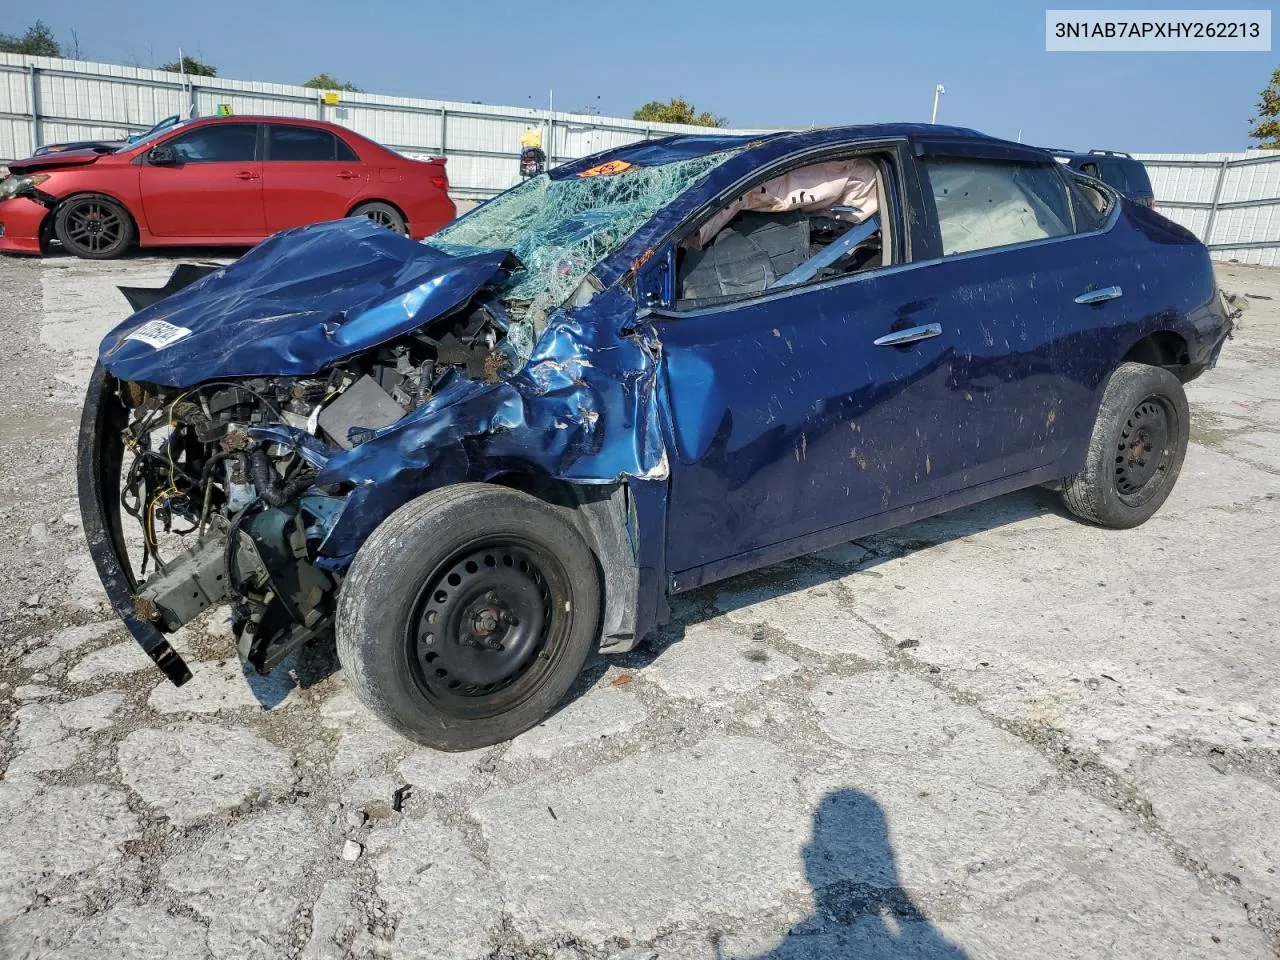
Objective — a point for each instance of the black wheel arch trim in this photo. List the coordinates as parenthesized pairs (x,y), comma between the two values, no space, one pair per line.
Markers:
(100,515)
(601,513)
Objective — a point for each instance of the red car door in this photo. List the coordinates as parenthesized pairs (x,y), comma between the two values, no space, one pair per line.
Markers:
(209,186)
(308,175)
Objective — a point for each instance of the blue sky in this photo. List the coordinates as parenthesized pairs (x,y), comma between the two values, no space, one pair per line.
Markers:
(758,63)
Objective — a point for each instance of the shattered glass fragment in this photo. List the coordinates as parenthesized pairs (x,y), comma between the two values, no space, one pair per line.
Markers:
(560,229)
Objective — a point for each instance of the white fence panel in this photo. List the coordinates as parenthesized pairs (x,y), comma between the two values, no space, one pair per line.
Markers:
(1230,200)
(78,100)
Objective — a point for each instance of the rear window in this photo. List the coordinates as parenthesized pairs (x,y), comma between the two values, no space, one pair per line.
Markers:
(1136,177)
(1115,174)
(305,143)
(1126,175)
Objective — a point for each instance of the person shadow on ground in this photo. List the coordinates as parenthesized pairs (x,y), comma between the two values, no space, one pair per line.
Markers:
(861,911)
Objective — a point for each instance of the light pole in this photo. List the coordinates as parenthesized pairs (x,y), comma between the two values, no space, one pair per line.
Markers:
(938,91)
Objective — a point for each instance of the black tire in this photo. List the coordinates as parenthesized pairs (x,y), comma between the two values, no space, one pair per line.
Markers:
(1136,451)
(383,214)
(93,227)
(467,615)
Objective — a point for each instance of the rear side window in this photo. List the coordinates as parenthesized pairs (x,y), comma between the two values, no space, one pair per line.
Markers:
(1091,204)
(994,203)
(223,143)
(305,143)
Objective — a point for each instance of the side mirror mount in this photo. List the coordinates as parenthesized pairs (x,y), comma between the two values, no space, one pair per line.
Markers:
(162,156)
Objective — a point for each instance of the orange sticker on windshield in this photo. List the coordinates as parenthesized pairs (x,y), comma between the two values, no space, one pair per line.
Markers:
(606,169)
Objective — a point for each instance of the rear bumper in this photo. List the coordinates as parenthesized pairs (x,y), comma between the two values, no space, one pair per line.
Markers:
(98,460)
(20,221)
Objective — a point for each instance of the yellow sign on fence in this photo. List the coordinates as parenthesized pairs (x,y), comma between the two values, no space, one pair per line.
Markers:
(224,110)
(332,98)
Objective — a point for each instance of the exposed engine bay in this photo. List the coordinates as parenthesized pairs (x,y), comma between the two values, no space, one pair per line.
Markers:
(219,491)
(251,425)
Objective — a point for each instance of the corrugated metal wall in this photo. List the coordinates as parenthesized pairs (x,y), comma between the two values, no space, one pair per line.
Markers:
(1230,200)
(77,100)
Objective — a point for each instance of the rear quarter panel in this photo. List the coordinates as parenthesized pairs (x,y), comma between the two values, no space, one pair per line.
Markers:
(1168,286)
(427,207)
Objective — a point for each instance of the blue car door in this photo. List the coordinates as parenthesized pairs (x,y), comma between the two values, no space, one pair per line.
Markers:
(798,415)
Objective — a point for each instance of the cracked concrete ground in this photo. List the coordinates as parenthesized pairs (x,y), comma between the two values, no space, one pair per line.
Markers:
(997,733)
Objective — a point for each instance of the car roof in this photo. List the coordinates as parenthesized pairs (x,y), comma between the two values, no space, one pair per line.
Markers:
(687,146)
(1074,155)
(256,118)
(336,128)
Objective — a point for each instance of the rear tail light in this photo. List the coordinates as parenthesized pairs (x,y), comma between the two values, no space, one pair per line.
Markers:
(439,177)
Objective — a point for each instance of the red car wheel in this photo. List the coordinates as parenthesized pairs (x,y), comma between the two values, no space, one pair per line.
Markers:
(93,227)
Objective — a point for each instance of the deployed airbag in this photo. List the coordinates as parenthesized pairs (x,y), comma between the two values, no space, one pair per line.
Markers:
(812,189)
(979,207)
(747,256)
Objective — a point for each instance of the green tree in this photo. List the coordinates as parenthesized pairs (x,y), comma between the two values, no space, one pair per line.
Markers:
(323,81)
(1266,125)
(191,66)
(678,110)
(38,41)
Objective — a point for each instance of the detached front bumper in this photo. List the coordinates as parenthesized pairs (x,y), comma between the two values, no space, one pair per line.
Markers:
(21,220)
(98,465)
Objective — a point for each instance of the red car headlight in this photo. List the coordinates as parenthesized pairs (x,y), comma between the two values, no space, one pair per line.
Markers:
(15,185)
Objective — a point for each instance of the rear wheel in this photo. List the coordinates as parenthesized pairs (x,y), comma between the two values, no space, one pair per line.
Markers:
(93,227)
(1136,450)
(382,214)
(467,615)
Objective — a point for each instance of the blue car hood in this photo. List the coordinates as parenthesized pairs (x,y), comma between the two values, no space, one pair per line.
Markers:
(293,304)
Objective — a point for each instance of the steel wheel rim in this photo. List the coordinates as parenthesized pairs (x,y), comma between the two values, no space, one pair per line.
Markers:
(1145,450)
(486,627)
(94,226)
(384,218)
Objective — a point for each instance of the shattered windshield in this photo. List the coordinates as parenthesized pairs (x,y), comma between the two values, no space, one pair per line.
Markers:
(560,229)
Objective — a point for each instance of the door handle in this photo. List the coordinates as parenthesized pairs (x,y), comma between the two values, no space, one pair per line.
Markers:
(1101,295)
(910,335)
(246,175)
(348,175)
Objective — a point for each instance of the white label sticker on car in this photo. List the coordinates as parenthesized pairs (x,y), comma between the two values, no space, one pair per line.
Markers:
(158,333)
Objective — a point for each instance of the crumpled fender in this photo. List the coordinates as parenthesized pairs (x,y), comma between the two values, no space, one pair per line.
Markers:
(582,409)
(299,300)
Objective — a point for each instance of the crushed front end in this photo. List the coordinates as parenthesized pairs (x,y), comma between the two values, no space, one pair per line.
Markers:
(186,508)
(198,470)
(196,496)
(246,432)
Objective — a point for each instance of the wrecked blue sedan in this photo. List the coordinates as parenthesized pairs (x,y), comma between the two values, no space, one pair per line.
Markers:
(478,458)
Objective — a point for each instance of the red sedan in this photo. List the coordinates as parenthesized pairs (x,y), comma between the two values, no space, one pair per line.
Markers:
(225,181)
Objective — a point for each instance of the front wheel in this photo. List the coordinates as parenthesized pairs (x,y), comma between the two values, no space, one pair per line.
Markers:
(93,227)
(1136,450)
(467,615)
